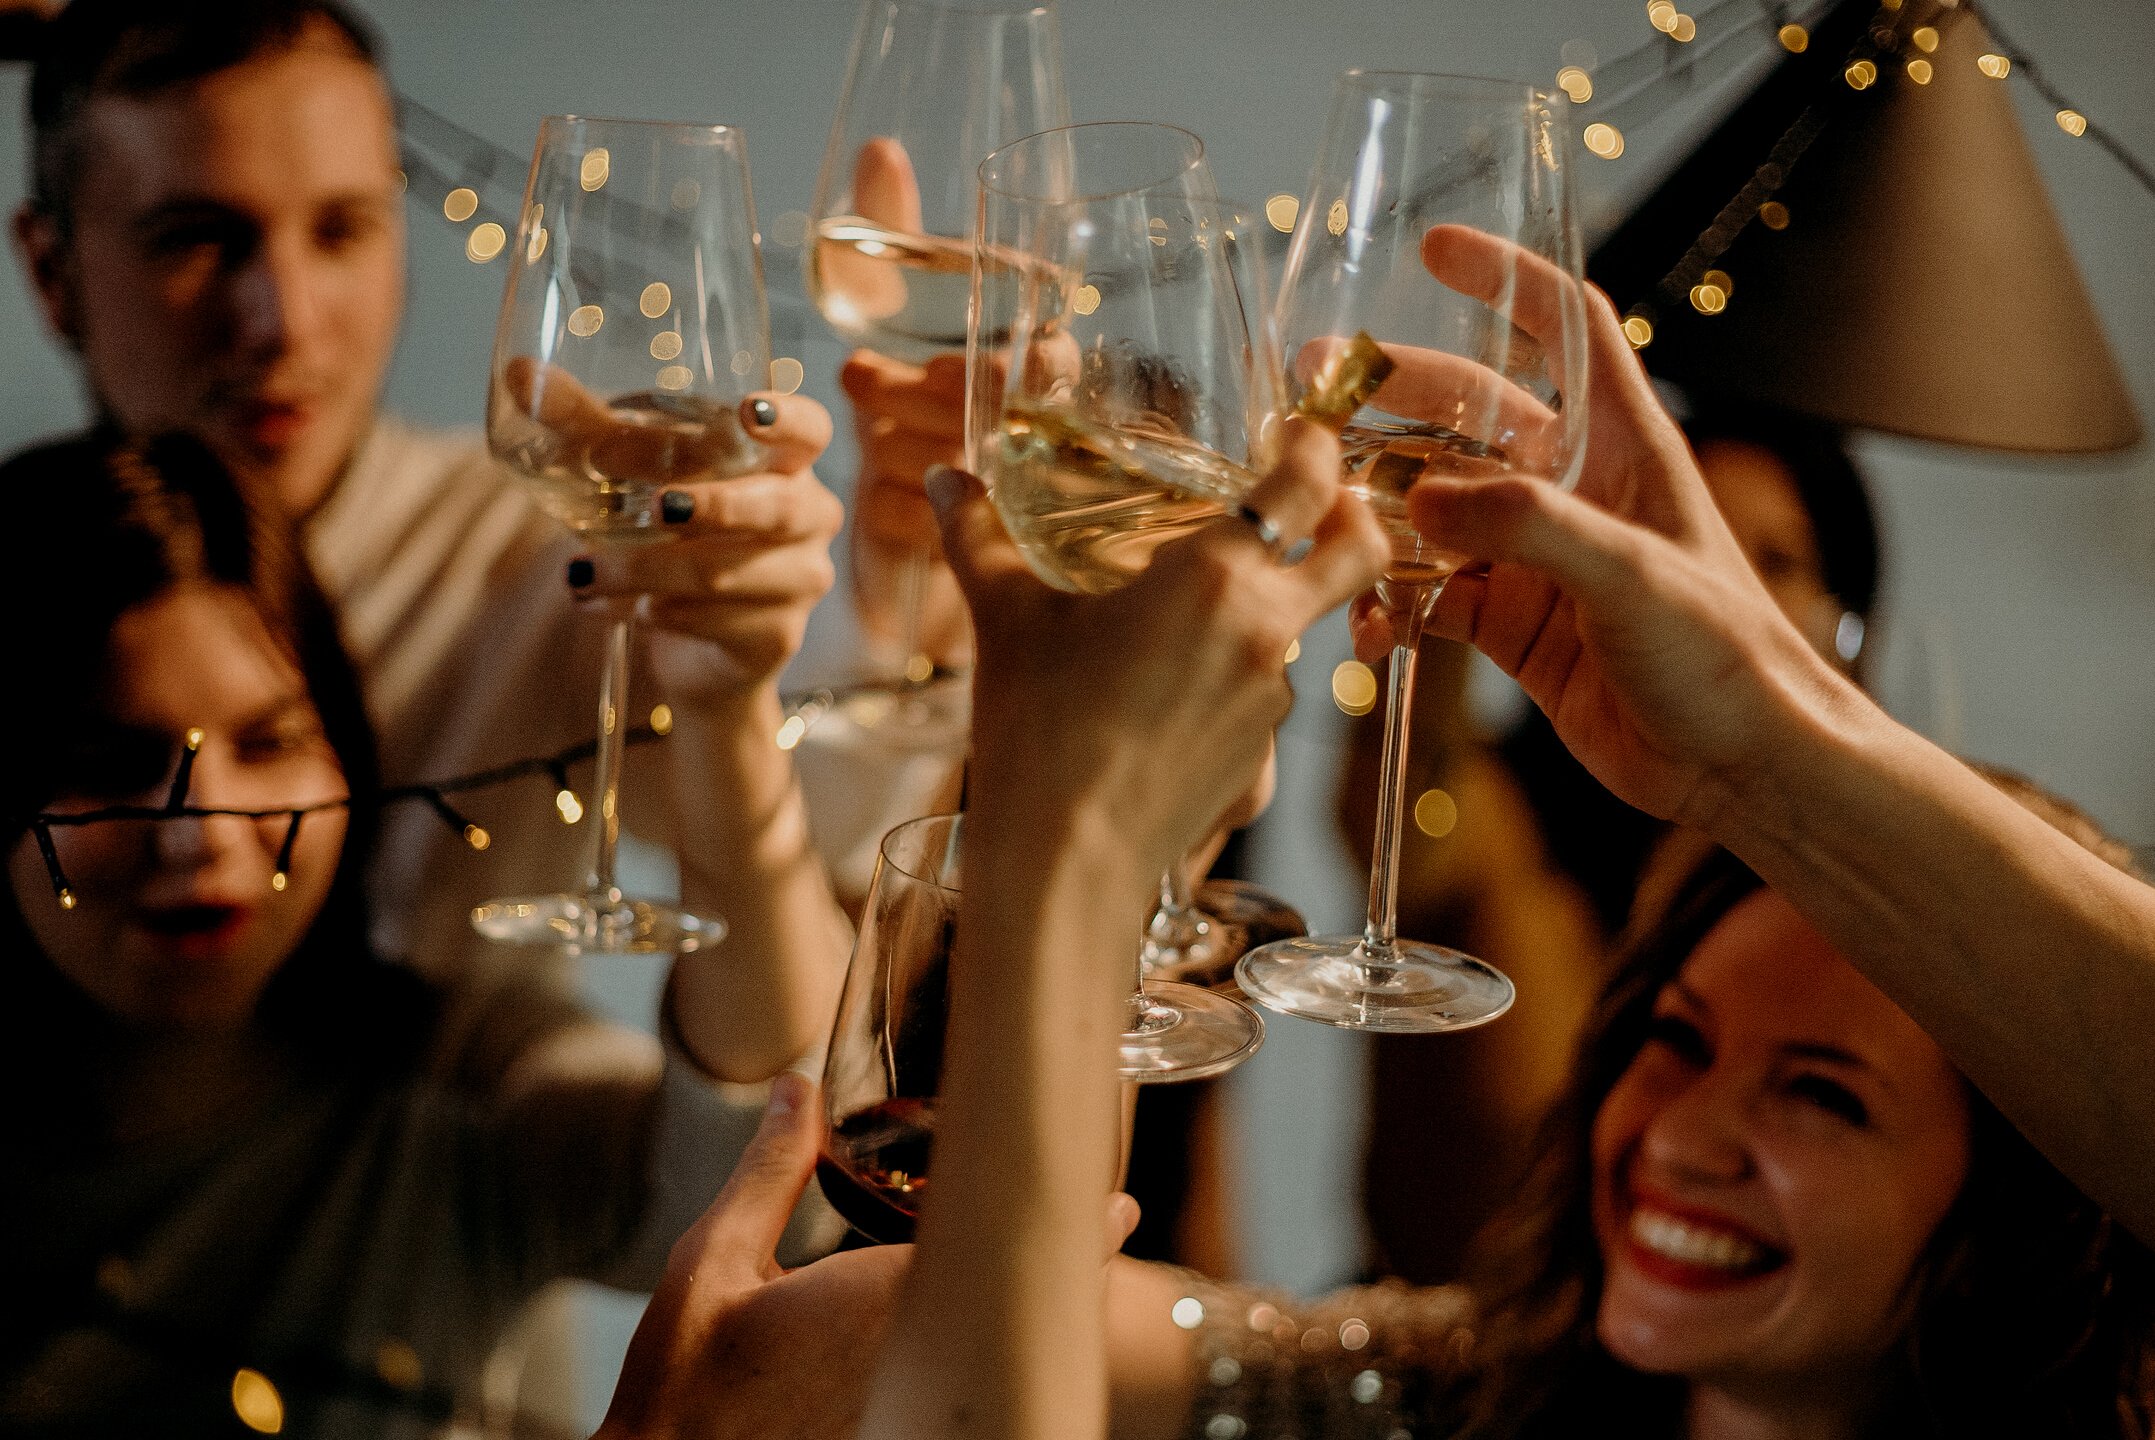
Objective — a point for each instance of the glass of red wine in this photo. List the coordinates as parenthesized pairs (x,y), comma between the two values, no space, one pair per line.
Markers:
(886,1054)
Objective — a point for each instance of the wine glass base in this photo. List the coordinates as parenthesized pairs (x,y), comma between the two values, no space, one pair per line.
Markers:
(596,925)
(1188,1034)
(896,716)
(1239,917)
(1410,989)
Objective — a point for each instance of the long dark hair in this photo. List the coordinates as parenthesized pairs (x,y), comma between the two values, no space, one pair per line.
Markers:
(2033,1313)
(111,525)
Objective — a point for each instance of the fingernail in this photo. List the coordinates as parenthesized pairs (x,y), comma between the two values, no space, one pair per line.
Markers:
(581,573)
(760,413)
(676,506)
(788,1093)
(945,483)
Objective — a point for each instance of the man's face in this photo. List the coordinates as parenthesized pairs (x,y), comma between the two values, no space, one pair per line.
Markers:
(236,264)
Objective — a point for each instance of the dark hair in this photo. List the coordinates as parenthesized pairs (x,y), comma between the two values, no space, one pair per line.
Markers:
(2033,1313)
(112,525)
(139,47)
(1827,482)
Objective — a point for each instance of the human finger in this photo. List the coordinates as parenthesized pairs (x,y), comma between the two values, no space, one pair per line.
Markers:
(1291,498)
(1348,552)
(743,1225)
(885,188)
(795,429)
(758,509)
(977,548)
(929,398)
(1122,1218)
(1506,276)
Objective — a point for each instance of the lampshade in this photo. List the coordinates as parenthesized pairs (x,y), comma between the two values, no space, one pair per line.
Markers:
(1919,283)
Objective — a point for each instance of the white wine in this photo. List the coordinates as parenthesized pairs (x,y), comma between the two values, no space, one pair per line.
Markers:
(602,470)
(1383,459)
(1088,504)
(899,295)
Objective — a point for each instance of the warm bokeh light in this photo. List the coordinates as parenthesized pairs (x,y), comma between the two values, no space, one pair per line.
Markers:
(1720,280)
(661,719)
(585,320)
(1996,66)
(656,300)
(485,243)
(791,733)
(2072,122)
(1709,299)
(1926,38)
(278,881)
(1435,814)
(1354,687)
(1794,39)
(476,837)
(1639,331)
(398,1364)
(1294,651)
(535,246)
(1576,83)
(1335,219)
(1685,30)
(1281,210)
(1773,215)
(67,898)
(596,167)
(1919,70)
(787,374)
(259,1407)
(1603,139)
(919,668)
(676,377)
(665,345)
(460,204)
(1085,299)
(1661,14)
(1861,75)
(568,806)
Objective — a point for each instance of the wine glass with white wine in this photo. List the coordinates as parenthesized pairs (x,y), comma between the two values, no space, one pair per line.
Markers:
(931,87)
(632,328)
(1423,173)
(1123,391)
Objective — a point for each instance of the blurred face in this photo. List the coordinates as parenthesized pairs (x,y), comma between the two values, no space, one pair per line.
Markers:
(236,263)
(1770,1167)
(177,922)
(1756,493)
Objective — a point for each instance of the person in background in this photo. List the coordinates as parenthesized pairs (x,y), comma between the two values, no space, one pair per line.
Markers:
(1538,868)
(251,1163)
(215,229)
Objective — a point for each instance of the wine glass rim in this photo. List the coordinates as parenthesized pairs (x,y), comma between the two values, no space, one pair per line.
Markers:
(1196,159)
(1357,73)
(884,849)
(1011,10)
(711,128)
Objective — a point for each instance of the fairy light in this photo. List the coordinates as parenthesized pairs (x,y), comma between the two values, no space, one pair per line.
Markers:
(282,876)
(1926,39)
(476,837)
(1280,213)
(485,243)
(1662,15)
(1794,39)
(1603,139)
(1861,75)
(1773,215)
(1685,30)
(1919,70)
(1354,687)
(1639,331)
(787,374)
(1436,814)
(1294,651)
(792,732)
(1335,219)
(596,166)
(662,719)
(1575,83)
(256,1401)
(656,300)
(1996,66)
(1086,298)
(460,204)
(1720,280)
(2073,123)
(1708,299)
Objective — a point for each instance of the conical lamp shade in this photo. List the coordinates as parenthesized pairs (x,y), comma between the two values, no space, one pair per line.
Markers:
(1920,284)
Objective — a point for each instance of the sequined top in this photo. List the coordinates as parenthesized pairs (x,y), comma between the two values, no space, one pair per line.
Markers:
(1359,1364)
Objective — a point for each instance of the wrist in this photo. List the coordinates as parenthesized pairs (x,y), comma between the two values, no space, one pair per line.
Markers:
(1823,727)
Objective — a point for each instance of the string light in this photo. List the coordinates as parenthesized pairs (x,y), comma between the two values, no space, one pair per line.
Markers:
(1997,67)
(792,732)
(787,374)
(2073,123)
(1720,280)
(656,300)
(259,1407)
(1861,74)
(1708,299)
(661,719)
(1794,39)
(1335,219)
(1576,84)
(1603,139)
(282,875)
(1919,70)
(595,168)
(1925,38)
(1354,687)
(1436,814)
(485,243)
(1662,15)
(1639,331)
(1294,651)
(1086,298)
(460,204)
(1773,215)
(1685,30)
(1280,213)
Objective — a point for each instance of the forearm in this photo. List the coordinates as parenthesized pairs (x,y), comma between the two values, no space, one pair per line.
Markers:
(764,996)
(1003,1311)
(2029,959)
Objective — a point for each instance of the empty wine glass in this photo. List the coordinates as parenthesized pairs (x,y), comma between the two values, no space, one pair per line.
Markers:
(1122,391)
(1415,169)
(931,87)
(632,328)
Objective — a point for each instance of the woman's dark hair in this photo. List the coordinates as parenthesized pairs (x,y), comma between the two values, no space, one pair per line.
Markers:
(110,525)
(2033,1313)
(139,47)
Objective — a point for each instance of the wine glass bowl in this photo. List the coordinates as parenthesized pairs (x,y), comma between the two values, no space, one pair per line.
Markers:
(633,326)
(1438,228)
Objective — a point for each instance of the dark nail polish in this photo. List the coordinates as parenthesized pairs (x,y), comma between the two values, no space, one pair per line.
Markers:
(580,572)
(762,413)
(676,506)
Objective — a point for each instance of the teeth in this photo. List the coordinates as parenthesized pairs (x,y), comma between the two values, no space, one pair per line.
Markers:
(1691,1244)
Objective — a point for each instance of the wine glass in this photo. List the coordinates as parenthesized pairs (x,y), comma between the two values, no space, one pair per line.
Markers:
(1481,395)
(1122,390)
(886,1055)
(632,328)
(931,87)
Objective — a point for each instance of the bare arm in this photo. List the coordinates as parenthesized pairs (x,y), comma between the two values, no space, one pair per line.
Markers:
(1630,616)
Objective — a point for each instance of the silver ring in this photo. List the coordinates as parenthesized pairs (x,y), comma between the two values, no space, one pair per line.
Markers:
(1268,529)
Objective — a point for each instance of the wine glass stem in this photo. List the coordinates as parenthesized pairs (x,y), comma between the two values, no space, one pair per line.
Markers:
(606,774)
(1408,609)
(912,599)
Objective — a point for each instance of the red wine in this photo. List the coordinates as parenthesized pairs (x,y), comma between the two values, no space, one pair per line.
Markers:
(874,1167)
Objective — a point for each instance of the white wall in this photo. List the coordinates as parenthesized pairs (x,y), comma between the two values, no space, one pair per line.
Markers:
(2022,595)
